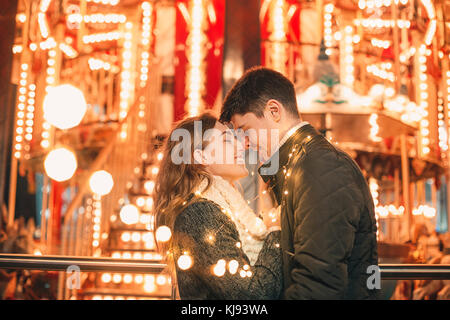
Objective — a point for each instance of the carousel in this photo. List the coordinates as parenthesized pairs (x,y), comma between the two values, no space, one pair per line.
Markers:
(98,84)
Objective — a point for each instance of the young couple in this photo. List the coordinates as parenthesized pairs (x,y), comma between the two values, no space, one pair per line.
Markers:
(317,245)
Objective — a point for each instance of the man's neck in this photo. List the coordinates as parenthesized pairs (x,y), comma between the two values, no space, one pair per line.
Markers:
(289,131)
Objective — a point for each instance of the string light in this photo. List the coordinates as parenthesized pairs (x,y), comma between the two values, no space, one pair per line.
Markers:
(380,43)
(373,186)
(185,261)
(380,23)
(443,137)
(113,18)
(97,64)
(372,4)
(145,41)
(17,49)
(219,268)
(97,204)
(43,25)
(423,98)
(68,50)
(50,43)
(448,101)
(374,128)
(127,85)
(328,9)
(105,2)
(385,211)
(380,72)
(432,24)
(43,6)
(20,115)
(50,81)
(425,210)
(21,17)
(29,122)
(100,37)
(195,53)
(278,54)
(347,59)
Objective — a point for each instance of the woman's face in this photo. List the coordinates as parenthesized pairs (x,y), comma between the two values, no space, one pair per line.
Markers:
(224,155)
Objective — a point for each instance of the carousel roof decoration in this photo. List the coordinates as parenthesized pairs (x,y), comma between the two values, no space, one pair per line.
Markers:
(328,93)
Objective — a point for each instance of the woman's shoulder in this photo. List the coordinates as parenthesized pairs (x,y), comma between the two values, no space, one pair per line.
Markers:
(200,212)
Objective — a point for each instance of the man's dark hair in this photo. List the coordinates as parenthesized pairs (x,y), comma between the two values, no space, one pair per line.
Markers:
(254,89)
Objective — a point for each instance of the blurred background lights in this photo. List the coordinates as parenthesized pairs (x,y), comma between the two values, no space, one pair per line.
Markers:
(60,164)
(64,106)
(129,214)
(101,182)
(163,234)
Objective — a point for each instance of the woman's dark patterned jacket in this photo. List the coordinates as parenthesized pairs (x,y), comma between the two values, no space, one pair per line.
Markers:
(192,230)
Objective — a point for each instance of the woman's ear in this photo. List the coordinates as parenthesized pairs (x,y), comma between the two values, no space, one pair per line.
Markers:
(198,156)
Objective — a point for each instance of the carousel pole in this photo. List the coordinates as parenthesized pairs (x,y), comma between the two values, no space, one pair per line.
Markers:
(405,181)
(445,70)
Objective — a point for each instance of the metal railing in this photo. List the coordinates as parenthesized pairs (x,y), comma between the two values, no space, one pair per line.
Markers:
(89,264)
(86,264)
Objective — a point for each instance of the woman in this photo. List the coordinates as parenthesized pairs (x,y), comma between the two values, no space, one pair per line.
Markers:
(220,248)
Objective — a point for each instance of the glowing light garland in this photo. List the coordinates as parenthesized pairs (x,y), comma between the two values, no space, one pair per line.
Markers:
(50,81)
(20,115)
(329,8)
(380,23)
(425,210)
(347,58)
(29,122)
(17,49)
(105,2)
(373,186)
(145,41)
(374,128)
(278,54)
(381,71)
(127,84)
(100,37)
(371,4)
(69,51)
(195,53)
(113,18)
(423,98)
(96,220)
(431,30)
(448,102)
(380,43)
(97,64)
(43,25)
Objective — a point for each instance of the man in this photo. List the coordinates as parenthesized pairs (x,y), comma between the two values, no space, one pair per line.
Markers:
(327,212)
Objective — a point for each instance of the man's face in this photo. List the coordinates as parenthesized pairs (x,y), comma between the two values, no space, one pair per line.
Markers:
(259,132)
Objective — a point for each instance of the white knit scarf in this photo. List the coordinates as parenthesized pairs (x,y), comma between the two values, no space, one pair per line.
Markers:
(251,228)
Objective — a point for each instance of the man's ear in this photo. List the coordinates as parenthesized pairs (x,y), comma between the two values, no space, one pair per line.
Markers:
(273,110)
(198,156)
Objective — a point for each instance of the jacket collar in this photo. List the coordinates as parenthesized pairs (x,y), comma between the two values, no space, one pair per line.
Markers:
(301,136)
